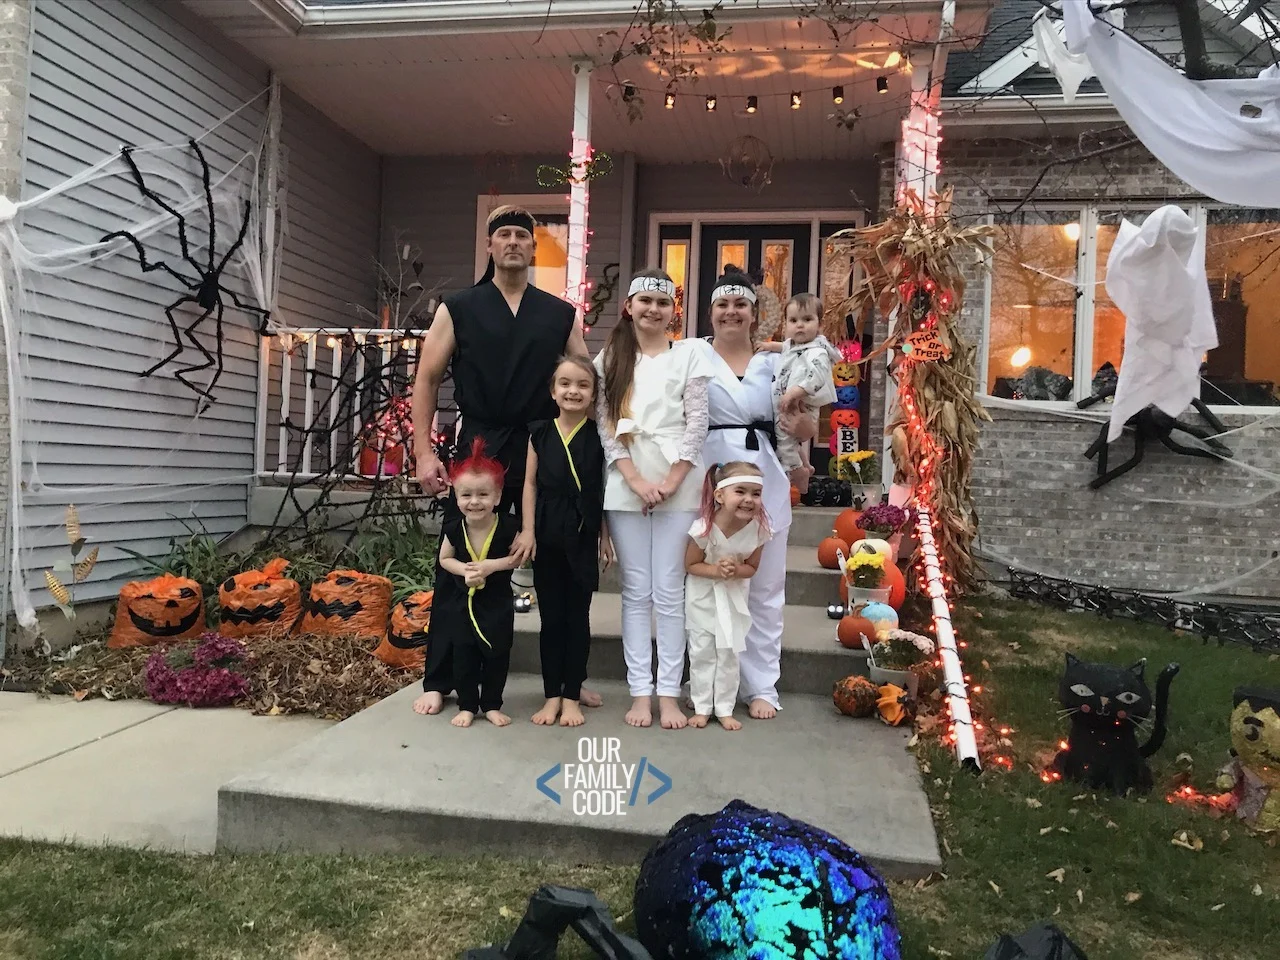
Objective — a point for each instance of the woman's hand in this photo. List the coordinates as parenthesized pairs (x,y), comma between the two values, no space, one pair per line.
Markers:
(607,555)
(650,494)
(523,548)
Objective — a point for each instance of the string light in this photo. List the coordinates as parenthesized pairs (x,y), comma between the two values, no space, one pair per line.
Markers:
(331,342)
(670,101)
(837,94)
(795,99)
(752,104)
(628,93)
(711,103)
(882,85)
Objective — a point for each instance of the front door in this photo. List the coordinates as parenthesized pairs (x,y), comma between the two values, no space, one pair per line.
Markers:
(774,254)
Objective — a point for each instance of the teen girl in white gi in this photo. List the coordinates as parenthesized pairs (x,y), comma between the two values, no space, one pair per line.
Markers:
(652,417)
(740,401)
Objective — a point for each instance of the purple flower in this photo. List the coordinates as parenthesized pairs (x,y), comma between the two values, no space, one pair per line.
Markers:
(883,516)
(199,679)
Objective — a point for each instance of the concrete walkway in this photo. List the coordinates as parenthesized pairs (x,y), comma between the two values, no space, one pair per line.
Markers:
(128,772)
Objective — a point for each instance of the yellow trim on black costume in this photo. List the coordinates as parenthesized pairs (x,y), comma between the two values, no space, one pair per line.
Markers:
(471,591)
(569,456)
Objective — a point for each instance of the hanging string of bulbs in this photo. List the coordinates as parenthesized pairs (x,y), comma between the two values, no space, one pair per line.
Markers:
(711,101)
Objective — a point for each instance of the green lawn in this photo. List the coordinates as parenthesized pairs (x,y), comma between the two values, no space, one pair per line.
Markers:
(1001,830)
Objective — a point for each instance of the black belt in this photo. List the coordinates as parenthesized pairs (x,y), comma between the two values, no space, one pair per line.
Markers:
(759,426)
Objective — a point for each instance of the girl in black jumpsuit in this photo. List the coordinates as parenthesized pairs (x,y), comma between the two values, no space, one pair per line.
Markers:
(564,495)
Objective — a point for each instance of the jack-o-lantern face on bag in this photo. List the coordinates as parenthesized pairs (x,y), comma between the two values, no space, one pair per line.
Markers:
(406,641)
(165,609)
(348,603)
(259,602)
(1255,732)
(845,418)
(845,374)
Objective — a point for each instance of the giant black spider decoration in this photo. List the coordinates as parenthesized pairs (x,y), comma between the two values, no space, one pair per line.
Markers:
(1151,423)
(206,291)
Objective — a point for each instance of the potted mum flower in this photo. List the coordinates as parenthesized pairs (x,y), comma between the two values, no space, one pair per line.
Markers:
(882,520)
(860,469)
(204,675)
(865,571)
(895,654)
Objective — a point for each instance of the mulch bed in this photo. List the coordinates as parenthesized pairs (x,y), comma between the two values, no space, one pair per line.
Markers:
(328,677)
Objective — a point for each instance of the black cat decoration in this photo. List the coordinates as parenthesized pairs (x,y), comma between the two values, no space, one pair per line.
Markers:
(1107,706)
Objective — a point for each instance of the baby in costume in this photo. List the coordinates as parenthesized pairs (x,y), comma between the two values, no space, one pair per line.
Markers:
(803,380)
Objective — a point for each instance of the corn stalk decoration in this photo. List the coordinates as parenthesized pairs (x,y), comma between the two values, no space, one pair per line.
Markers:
(74,569)
(912,273)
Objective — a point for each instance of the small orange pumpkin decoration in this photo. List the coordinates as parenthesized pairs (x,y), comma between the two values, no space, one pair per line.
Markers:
(162,610)
(845,418)
(827,552)
(406,642)
(257,603)
(846,526)
(348,603)
(795,496)
(852,629)
(896,584)
(845,374)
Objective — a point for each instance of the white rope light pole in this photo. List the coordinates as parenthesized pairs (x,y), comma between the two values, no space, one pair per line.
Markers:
(579,195)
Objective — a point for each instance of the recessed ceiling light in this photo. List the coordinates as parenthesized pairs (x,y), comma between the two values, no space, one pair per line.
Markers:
(503,120)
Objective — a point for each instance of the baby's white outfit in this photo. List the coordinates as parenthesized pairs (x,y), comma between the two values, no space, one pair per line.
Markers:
(806,365)
(717,618)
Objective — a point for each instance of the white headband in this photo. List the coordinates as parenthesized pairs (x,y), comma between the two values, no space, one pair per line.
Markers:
(727,290)
(651,285)
(741,478)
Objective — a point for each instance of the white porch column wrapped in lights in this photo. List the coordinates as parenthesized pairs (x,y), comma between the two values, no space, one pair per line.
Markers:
(917,160)
(576,285)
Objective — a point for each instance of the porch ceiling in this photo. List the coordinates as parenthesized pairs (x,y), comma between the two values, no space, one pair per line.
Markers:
(440,95)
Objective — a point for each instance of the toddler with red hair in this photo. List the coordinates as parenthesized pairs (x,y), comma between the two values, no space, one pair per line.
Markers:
(471,612)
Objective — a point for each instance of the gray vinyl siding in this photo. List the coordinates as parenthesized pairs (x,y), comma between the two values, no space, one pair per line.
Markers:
(102,74)
(432,203)
(328,265)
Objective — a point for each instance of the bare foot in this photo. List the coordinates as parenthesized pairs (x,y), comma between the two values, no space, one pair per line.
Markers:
(571,715)
(547,715)
(429,703)
(589,698)
(762,710)
(497,718)
(698,721)
(729,723)
(463,719)
(673,717)
(640,714)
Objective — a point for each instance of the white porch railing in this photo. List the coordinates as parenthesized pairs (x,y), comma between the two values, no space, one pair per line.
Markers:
(319,389)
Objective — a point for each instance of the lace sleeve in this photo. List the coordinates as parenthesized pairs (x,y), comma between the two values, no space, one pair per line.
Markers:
(696,419)
(614,449)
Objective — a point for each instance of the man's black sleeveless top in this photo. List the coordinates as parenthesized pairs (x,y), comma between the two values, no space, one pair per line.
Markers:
(502,368)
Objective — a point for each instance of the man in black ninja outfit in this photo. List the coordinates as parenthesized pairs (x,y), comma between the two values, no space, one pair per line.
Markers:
(503,336)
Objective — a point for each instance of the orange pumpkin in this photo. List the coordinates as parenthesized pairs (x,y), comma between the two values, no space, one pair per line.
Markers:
(845,418)
(165,609)
(896,584)
(348,603)
(845,374)
(406,642)
(827,552)
(257,603)
(852,629)
(795,496)
(846,526)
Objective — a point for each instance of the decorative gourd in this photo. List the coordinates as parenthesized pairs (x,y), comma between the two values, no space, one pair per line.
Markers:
(896,583)
(855,696)
(846,526)
(827,552)
(348,603)
(406,642)
(881,616)
(847,398)
(851,631)
(259,602)
(165,609)
(845,374)
(844,418)
(875,545)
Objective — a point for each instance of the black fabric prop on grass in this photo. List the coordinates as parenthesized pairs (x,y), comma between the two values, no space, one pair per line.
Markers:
(552,910)
(1045,942)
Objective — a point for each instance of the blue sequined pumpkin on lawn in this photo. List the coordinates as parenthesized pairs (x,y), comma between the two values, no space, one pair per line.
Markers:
(846,398)
(745,882)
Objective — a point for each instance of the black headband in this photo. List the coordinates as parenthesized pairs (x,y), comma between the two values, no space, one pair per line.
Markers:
(512,218)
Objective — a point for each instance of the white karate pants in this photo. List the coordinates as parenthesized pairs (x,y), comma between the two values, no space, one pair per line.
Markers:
(713,676)
(761,662)
(651,564)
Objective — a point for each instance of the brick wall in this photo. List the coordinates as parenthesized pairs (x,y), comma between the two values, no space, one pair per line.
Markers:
(15,47)
(1172,523)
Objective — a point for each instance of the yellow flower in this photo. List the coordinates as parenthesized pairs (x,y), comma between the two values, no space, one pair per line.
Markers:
(860,455)
(875,560)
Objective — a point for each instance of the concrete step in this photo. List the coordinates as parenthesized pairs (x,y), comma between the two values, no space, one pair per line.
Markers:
(388,781)
(812,660)
(811,525)
(808,585)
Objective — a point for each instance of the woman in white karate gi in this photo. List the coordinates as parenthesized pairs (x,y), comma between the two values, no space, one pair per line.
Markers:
(740,402)
(651,412)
